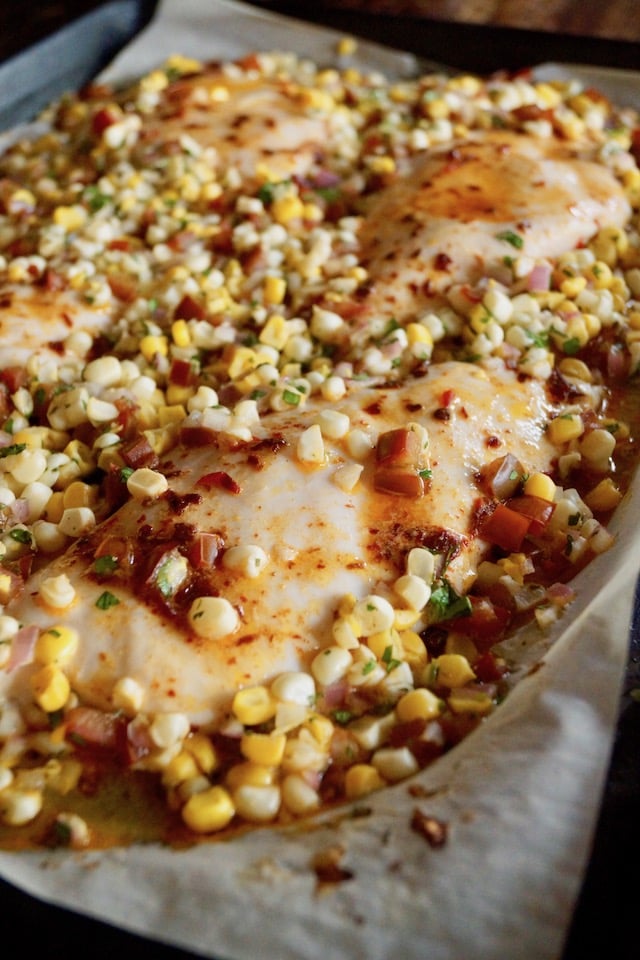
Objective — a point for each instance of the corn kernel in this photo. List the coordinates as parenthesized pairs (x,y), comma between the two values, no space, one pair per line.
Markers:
(144,482)
(452,670)
(79,494)
(414,651)
(263,748)
(395,763)
(51,688)
(180,333)
(19,807)
(274,290)
(540,485)
(213,617)
(321,728)
(287,208)
(257,804)
(56,645)
(180,768)
(474,702)
(208,811)
(152,345)
(252,774)
(603,497)
(70,218)
(57,592)
(253,705)
(565,428)
(361,779)
(420,704)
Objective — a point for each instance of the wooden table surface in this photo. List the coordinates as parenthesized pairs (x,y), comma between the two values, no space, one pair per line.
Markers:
(21,24)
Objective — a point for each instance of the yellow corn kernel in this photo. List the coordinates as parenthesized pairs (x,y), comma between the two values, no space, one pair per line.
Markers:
(275,332)
(51,688)
(361,779)
(593,324)
(383,166)
(274,290)
(601,275)
(173,413)
(576,369)
(572,286)
(251,775)
(155,81)
(55,507)
(420,704)
(243,360)
(452,670)
(320,727)
(418,333)
(177,63)
(152,345)
(437,108)
(179,769)
(540,485)
(312,212)
(209,811)
(177,395)
(385,644)
(317,99)
(475,702)
(413,649)
(287,208)
(56,644)
(253,705)
(566,427)
(263,748)
(81,456)
(609,244)
(462,646)
(180,333)
(79,494)
(603,497)
(403,619)
(576,330)
(347,46)
(70,218)
(203,751)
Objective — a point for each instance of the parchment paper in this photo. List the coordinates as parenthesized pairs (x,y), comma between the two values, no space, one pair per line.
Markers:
(520,795)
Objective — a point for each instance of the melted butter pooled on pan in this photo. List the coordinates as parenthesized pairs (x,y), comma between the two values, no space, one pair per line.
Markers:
(320,542)
(455,215)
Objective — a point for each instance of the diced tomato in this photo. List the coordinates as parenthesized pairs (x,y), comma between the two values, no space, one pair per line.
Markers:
(486,623)
(398,448)
(401,481)
(189,309)
(204,549)
(219,479)
(14,378)
(139,453)
(505,528)
(182,372)
(535,509)
(502,477)
(103,118)
(488,668)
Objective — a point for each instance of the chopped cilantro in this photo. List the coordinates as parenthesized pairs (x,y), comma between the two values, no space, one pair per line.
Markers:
(105,564)
(571,346)
(513,238)
(106,600)
(446,604)
(12,449)
(20,535)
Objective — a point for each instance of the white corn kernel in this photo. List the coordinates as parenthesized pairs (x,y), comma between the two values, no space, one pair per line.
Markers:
(168,729)
(294,687)
(249,560)
(299,796)
(127,695)
(333,424)
(145,482)
(213,617)
(395,763)
(76,521)
(331,665)
(99,411)
(57,592)
(258,804)
(19,807)
(413,590)
(347,476)
(375,614)
(310,446)
(421,563)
